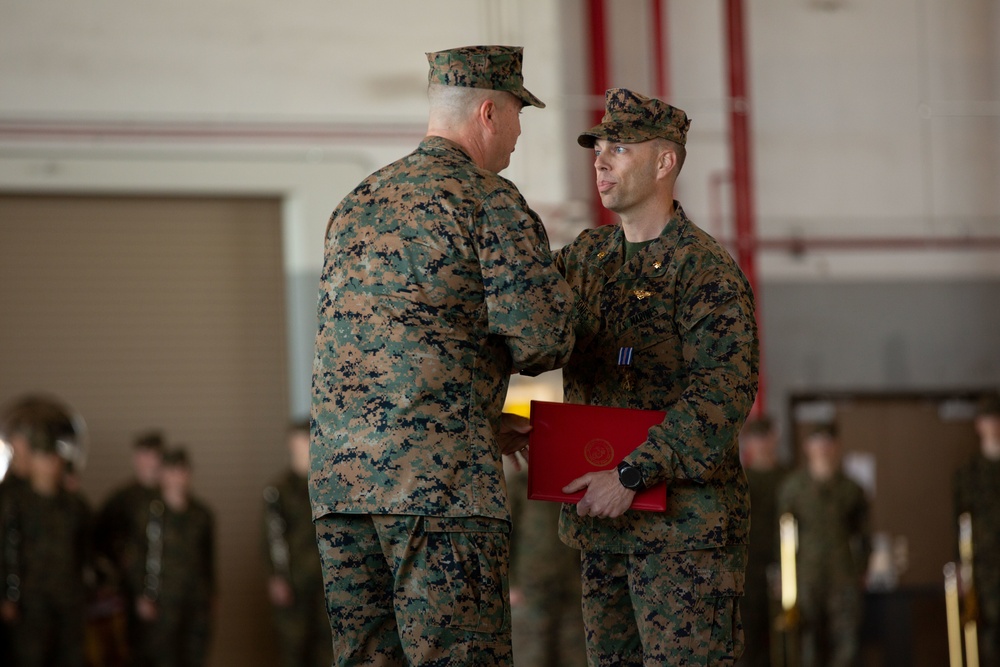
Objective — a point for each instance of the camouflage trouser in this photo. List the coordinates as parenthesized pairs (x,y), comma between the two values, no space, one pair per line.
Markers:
(831,620)
(48,632)
(989,624)
(661,609)
(416,590)
(180,635)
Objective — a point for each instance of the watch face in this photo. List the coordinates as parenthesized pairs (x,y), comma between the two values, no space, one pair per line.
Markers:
(630,477)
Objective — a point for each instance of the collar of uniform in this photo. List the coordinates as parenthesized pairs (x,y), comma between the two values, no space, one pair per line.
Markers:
(652,260)
(435,144)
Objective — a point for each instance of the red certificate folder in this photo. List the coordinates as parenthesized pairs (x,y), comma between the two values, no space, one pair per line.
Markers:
(568,440)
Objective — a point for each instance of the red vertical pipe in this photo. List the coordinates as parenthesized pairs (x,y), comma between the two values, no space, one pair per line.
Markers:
(598,83)
(746,235)
(661,62)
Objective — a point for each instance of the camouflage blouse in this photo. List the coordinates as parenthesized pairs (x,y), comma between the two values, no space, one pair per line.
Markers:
(678,333)
(437,284)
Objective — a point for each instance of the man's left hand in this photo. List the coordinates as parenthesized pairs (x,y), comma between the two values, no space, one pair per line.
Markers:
(605,496)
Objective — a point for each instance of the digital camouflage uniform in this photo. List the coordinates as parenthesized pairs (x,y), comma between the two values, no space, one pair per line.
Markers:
(977,491)
(834,544)
(183,588)
(118,529)
(291,553)
(756,608)
(46,546)
(548,625)
(662,588)
(9,484)
(437,285)
(119,536)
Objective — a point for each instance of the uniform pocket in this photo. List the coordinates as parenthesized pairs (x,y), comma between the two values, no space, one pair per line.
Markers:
(467,573)
(720,633)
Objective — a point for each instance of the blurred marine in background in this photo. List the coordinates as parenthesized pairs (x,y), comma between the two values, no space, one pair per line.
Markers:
(295,581)
(765,475)
(832,513)
(45,538)
(174,575)
(977,491)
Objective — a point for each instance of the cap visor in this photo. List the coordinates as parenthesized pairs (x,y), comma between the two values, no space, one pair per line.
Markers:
(528,98)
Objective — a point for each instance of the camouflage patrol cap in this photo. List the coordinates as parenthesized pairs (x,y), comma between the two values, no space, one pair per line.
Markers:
(489,67)
(631,118)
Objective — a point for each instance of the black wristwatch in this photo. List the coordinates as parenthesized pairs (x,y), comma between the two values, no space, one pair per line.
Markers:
(630,477)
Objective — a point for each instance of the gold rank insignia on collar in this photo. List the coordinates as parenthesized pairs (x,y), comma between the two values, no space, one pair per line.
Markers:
(641,294)
(657,265)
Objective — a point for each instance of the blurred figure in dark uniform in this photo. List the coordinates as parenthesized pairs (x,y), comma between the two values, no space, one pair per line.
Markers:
(15,449)
(119,535)
(175,573)
(977,491)
(759,455)
(832,513)
(295,581)
(117,530)
(45,533)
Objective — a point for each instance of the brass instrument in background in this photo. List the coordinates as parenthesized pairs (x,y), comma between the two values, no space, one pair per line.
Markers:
(960,600)
(43,418)
(785,644)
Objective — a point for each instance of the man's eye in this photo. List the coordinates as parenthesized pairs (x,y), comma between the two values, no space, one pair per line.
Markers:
(619,149)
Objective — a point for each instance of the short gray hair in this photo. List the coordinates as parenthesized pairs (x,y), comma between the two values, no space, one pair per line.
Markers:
(456,103)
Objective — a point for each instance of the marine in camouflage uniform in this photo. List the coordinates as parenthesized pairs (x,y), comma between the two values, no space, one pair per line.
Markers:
(175,573)
(117,529)
(295,582)
(677,333)
(832,514)
(545,574)
(438,284)
(45,533)
(977,491)
(765,475)
(120,534)
(13,482)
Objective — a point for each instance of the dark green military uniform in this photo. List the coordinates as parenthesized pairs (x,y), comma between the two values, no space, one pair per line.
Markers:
(977,491)
(677,333)
(291,553)
(8,485)
(119,528)
(762,553)
(119,537)
(834,545)
(46,549)
(437,284)
(183,588)
(548,625)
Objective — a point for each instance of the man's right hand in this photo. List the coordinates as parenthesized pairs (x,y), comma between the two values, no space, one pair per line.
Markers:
(280,591)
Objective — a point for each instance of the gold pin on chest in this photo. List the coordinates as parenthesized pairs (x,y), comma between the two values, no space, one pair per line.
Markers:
(657,265)
(641,294)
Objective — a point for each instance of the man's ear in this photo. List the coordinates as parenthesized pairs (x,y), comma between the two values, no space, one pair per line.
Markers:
(666,162)
(487,115)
